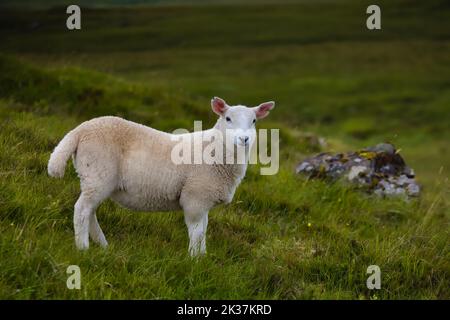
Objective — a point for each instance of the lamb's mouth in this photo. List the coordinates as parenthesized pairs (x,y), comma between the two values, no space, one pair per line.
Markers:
(243,144)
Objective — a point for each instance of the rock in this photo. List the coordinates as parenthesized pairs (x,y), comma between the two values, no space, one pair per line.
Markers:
(382,147)
(379,169)
(356,171)
(413,190)
(403,180)
(303,166)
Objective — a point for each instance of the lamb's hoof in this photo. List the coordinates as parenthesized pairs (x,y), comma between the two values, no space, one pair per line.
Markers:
(196,254)
(82,246)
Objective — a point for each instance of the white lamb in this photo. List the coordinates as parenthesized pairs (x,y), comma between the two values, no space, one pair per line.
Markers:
(131,164)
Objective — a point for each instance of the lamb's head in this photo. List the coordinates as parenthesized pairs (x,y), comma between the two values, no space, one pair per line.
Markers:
(237,123)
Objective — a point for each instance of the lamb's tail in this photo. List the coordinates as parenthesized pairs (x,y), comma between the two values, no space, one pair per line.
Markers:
(65,148)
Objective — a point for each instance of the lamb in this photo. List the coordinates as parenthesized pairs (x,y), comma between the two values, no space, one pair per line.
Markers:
(131,164)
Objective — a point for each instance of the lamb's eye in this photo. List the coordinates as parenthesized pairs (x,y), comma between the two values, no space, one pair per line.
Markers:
(228,119)
(254,120)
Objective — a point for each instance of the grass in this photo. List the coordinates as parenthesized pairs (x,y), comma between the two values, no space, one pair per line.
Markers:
(282,237)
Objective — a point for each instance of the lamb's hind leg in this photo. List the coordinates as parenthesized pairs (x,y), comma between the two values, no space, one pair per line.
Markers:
(84,208)
(97,169)
(96,232)
(85,220)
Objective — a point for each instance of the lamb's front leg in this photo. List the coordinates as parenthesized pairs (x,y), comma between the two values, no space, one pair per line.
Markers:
(196,224)
(205,227)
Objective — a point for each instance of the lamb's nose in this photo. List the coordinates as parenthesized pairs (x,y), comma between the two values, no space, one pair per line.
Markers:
(244,139)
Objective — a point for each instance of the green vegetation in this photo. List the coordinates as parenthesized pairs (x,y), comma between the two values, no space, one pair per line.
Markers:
(282,236)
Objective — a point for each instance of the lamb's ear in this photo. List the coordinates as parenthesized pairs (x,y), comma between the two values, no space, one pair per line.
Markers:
(219,106)
(263,109)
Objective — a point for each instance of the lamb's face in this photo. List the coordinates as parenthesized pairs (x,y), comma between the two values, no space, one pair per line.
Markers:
(237,123)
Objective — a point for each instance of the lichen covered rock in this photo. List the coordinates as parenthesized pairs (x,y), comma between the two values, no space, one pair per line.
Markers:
(379,169)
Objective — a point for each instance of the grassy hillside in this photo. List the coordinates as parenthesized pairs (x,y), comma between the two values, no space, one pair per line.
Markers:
(282,236)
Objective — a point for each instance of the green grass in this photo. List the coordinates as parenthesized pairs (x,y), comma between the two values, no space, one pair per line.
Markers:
(282,237)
